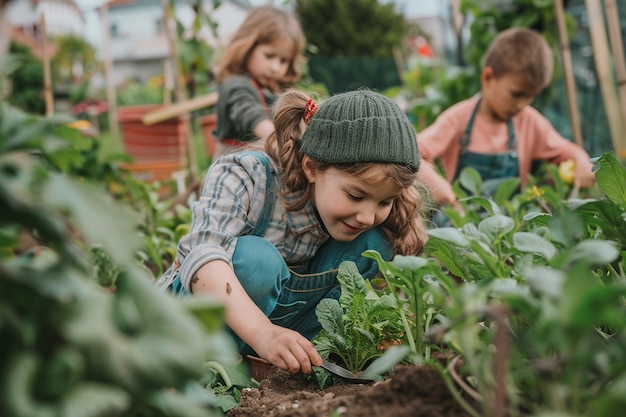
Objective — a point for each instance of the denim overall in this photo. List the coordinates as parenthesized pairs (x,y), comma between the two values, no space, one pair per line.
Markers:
(493,168)
(289,294)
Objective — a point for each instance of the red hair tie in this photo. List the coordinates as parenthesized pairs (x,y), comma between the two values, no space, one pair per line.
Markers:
(309,110)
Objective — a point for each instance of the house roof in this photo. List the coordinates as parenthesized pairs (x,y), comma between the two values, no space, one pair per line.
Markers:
(18,35)
(114,3)
(117,3)
(71,3)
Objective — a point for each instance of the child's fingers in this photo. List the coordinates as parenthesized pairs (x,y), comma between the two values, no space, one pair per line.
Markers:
(312,353)
(305,354)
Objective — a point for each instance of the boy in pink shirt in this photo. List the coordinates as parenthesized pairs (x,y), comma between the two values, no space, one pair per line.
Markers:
(497,132)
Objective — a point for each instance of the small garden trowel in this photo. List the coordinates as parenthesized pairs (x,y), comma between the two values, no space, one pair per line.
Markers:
(345,374)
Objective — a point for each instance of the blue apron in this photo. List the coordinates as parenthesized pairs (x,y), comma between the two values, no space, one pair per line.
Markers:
(493,168)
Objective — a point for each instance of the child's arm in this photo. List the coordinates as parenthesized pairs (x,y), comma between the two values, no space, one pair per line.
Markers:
(285,348)
(555,148)
(440,188)
(263,129)
(441,140)
(241,112)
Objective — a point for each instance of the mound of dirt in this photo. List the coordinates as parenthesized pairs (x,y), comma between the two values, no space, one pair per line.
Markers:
(410,391)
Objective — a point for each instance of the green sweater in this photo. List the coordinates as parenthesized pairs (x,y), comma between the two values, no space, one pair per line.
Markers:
(239,108)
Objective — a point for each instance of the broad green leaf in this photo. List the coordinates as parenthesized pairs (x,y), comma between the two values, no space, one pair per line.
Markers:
(587,302)
(496,226)
(504,287)
(329,314)
(411,263)
(481,247)
(537,218)
(152,355)
(387,361)
(506,189)
(192,402)
(449,257)
(449,234)
(566,227)
(471,232)
(91,399)
(352,284)
(575,203)
(606,216)
(532,243)
(611,177)
(594,252)
(546,281)
(487,204)
(597,306)
(470,179)
(207,309)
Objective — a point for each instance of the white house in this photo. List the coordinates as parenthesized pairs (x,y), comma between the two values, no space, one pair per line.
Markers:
(137,39)
(62,17)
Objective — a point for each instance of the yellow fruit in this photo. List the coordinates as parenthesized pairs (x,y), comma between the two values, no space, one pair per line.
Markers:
(566,171)
(80,125)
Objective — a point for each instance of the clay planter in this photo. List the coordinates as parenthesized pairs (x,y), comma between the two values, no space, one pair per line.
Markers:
(158,150)
(208,124)
(259,368)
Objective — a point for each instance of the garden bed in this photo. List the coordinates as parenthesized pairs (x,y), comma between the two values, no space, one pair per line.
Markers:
(410,391)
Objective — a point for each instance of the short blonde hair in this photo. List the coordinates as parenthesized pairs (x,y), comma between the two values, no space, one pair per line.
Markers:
(521,51)
(263,25)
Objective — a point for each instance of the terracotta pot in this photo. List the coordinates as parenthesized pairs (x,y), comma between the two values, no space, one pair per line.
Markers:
(158,150)
(208,124)
(259,368)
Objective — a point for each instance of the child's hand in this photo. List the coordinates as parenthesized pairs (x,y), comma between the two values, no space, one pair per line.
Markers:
(287,349)
(583,174)
(444,195)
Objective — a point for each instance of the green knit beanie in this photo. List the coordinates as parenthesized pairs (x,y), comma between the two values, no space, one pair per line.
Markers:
(361,126)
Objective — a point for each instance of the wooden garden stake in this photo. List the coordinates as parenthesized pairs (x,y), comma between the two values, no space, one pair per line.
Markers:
(108,71)
(47,83)
(606,79)
(617,48)
(181,108)
(179,89)
(568,71)
(5,34)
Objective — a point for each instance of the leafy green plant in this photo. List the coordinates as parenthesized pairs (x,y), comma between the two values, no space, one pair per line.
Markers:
(355,325)
(25,80)
(162,223)
(69,346)
(409,280)
(539,319)
(135,93)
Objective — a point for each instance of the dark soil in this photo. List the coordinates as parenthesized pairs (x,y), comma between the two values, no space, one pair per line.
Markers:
(410,391)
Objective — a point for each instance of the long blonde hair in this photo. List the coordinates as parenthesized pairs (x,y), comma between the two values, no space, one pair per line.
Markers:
(404,227)
(263,25)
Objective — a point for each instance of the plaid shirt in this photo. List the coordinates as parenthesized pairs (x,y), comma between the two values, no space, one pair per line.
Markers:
(232,200)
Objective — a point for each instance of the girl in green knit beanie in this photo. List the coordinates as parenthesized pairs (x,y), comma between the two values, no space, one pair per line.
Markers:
(271,227)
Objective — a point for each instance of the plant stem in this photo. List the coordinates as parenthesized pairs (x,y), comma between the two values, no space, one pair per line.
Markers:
(457,396)
(220,370)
